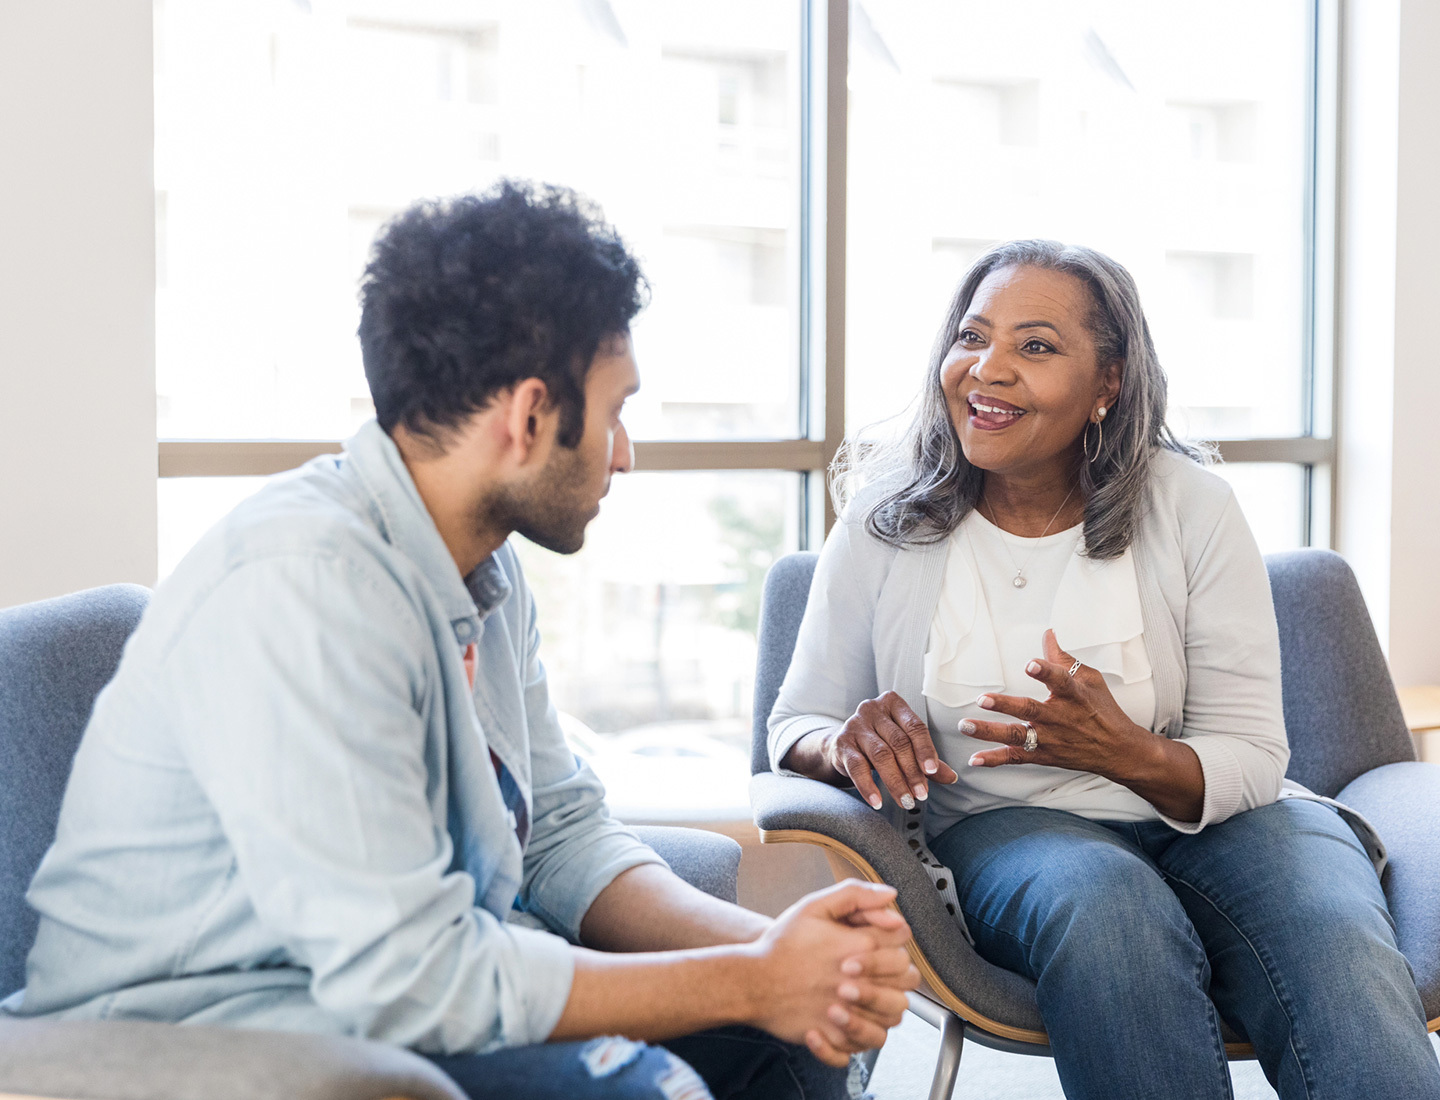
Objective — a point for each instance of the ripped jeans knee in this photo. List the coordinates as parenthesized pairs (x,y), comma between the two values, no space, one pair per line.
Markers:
(734,1063)
(641,1071)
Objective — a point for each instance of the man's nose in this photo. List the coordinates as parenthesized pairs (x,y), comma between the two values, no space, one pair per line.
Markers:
(623,452)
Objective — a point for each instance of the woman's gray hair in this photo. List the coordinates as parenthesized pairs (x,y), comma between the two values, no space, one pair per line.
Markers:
(930,487)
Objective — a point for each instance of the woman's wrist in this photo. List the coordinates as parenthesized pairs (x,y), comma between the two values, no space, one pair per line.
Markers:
(811,757)
(1165,773)
(1139,762)
(1136,758)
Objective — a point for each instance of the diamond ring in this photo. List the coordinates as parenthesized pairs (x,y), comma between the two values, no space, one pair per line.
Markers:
(1032,739)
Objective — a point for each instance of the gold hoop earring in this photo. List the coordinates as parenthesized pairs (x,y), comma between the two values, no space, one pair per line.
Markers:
(1099,441)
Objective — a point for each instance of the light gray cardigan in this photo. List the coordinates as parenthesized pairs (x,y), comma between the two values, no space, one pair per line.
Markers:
(1209,628)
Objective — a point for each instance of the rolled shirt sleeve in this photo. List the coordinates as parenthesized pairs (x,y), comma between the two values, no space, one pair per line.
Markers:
(1234,716)
(316,761)
(576,848)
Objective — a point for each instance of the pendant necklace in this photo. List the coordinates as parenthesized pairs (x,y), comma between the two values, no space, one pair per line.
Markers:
(1019,581)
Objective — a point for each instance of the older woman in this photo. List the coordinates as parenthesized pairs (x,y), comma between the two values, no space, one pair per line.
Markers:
(1044,620)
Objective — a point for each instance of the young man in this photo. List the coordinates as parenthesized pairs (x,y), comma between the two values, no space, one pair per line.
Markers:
(327,790)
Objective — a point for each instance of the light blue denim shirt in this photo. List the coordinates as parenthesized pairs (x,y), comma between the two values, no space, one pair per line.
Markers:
(283,812)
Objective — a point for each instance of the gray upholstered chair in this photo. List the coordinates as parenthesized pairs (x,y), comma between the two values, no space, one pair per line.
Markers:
(55,656)
(1348,740)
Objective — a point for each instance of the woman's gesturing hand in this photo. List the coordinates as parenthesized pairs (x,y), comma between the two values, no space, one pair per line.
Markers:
(886,736)
(1080,726)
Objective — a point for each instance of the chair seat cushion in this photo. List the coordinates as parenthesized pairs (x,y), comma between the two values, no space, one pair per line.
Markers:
(140,1060)
(1401,801)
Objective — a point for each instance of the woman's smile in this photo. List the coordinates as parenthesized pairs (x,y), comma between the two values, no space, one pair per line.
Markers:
(990,414)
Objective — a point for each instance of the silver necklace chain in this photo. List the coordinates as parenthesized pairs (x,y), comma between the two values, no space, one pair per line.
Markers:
(1019,581)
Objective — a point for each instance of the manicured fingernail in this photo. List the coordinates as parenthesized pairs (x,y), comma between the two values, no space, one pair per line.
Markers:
(976,762)
(907,802)
(849,990)
(985,701)
(874,800)
(920,792)
(1033,667)
(930,767)
(852,967)
(967,726)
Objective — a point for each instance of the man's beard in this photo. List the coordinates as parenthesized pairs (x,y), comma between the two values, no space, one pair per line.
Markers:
(552,511)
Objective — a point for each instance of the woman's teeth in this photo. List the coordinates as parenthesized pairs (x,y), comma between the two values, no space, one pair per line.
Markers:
(993,411)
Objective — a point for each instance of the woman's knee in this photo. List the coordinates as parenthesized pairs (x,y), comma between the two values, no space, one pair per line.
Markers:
(1114,916)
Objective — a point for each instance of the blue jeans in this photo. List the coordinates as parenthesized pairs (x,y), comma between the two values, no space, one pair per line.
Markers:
(732,1063)
(1140,939)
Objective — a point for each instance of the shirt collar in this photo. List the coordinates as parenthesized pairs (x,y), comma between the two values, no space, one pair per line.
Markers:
(488,586)
(407,525)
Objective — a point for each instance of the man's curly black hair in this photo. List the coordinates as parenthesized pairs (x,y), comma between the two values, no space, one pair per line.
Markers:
(468,296)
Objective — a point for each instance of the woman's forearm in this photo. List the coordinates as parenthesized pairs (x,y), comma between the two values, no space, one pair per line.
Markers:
(1165,773)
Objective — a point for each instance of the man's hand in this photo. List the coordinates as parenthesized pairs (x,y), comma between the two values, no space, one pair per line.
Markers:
(831,972)
(834,971)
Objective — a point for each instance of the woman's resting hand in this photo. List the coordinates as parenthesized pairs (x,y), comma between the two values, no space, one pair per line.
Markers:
(885,736)
(1081,727)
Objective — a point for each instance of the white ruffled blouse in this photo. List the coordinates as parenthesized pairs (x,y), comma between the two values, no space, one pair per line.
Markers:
(985,630)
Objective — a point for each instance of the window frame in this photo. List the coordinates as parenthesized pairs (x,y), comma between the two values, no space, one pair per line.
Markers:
(824,62)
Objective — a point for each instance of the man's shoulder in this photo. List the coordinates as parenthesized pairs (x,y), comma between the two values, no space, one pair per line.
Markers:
(314,520)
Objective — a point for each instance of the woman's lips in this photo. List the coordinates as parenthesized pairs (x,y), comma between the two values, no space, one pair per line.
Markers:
(991,415)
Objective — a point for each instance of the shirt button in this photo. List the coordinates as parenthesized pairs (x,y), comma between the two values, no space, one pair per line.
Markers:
(464,631)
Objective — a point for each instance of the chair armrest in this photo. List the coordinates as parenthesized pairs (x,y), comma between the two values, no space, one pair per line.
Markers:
(784,803)
(141,1060)
(706,860)
(1400,800)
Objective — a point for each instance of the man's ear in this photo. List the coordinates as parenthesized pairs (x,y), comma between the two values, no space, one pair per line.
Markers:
(529,418)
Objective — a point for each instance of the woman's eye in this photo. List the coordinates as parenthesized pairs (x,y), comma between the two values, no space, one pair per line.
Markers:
(1037,347)
(968,336)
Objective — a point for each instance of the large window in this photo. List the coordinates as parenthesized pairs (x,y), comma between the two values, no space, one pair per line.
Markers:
(1175,137)
(806,181)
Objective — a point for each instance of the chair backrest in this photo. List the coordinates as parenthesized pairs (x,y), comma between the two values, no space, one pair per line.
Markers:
(782,606)
(55,656)
(1341,711)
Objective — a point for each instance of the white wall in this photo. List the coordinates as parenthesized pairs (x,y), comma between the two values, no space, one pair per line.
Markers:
(1389,516)
(77,296)
(1365,346)
(1415,493)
